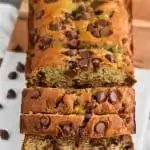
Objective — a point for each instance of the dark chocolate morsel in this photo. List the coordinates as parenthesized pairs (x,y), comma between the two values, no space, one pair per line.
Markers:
(20,67)
(45,122)
(100,97)
(12,75)
(4,134)
(100,128)
(11,94)
(36,94)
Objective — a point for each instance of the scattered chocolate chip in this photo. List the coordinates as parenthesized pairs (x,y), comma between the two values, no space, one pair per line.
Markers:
(35,94)
(1,106)
(100,97)
(114,96)
(38,14)
(45,122)
(73,43)
(17,48)
(1,60)
(20,67)
(45,41)
(53,26)
(100,127)
(96,3)
(72,64)
(50,1)
(72,34)
(111,14)
(11,94)
(4,134)
(83,63)
(106,31)
(90,27)
(102,22)
(96,62)
(12,75)
(85,54)
(110,58)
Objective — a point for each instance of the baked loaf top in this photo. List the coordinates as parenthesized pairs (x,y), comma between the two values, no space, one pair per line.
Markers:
(79,44)
(84,126)
(44,143)
(87,21)
(78,101)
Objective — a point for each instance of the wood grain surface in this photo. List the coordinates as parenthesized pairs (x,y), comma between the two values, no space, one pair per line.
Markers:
(141,14)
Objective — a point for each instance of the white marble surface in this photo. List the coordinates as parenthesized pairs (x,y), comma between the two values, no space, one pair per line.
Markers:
(9,116)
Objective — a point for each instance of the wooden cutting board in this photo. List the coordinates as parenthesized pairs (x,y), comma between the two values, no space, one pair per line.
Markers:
(141,31)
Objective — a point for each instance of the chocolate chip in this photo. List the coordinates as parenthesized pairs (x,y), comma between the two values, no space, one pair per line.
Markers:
(1,106)
(66,128)
(114,96)
(17,48)
(110,58)
(100,97)
(39,14)
(20,67)
(73,43)
(35,94)
(90,27)
(98,12)
(96,33)
(102,22)
(72,34)
(45,41)
(100,127)
(85,54)
(45,122)
(72,64)
(1,60)
(106,31)
(12,75)
(4,134)
(50,1)
(96,62)
(124,40)
(96,3)
(11,94)
(83,63)
(53,26)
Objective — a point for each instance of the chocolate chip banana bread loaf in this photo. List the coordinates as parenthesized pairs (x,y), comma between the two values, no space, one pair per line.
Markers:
(92,126)
(78,101)
(51,143)
(79,44)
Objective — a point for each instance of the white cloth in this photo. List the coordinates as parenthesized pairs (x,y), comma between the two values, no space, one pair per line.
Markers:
(8,16)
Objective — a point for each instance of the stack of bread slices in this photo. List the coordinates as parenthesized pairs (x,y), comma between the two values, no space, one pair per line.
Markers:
(80,76)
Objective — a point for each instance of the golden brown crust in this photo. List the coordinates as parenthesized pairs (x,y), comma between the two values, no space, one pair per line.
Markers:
(76,101)
(90,126)
(42,143)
